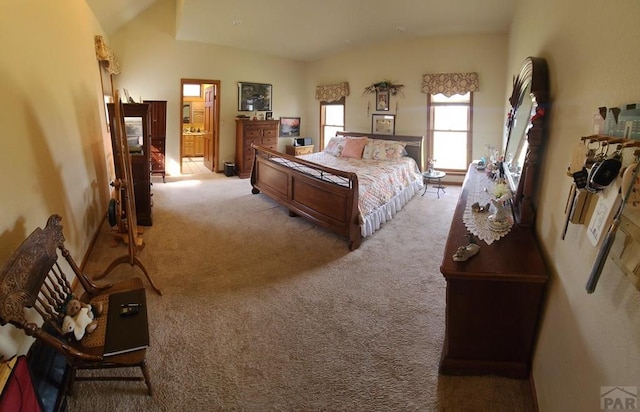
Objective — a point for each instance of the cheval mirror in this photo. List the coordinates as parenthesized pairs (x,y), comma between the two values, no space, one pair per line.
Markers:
(526,133)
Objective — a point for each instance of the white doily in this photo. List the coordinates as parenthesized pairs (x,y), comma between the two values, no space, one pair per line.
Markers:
(481,191)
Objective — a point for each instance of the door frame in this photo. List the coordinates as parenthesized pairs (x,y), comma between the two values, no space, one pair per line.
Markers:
(216,125)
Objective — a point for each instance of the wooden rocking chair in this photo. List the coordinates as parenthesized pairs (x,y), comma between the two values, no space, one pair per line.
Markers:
(32,278)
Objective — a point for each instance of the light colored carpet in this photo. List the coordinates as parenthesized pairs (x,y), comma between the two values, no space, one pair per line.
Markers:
(262,311)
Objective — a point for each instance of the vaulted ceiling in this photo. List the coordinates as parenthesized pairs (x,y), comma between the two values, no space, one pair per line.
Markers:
(311,29)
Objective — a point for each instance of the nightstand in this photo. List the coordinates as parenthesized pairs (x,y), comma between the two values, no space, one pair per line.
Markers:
(299,150)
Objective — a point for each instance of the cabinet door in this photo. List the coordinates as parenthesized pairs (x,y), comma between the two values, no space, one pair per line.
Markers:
(158,118)
(197,112)
(199,145)
(188,146)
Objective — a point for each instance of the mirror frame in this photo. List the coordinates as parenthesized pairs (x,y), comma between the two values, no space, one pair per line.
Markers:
(534,80)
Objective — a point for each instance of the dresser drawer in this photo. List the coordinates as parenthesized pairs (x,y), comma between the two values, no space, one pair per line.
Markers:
(270,141)
(270,133)
(252,133)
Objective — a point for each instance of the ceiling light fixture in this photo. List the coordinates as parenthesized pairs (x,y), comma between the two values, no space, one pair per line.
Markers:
(237,22)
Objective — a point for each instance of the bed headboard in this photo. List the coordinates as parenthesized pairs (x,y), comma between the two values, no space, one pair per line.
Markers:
(414,145)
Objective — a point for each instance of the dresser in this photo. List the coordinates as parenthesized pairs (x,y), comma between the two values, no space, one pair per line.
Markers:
(299,150)
(137,129)
(493,300)
(158,133)
(262,132)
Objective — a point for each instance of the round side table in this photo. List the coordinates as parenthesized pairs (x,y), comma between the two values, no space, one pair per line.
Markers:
(433,176)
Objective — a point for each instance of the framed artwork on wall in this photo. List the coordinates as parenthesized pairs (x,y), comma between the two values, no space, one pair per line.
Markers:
(254,97)
(289,126)
(382,100)
(383,124)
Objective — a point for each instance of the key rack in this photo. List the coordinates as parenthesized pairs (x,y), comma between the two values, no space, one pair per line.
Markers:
(621,242)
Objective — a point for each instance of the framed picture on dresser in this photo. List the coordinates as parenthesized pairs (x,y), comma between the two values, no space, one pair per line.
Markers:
(254,97)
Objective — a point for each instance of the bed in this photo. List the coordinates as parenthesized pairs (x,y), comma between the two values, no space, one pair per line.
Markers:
(337,190)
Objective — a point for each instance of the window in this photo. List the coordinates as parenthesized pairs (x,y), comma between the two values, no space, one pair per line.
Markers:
(449,135)
(331,120)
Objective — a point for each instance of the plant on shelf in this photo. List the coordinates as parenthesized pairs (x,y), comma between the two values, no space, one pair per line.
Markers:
(394,89)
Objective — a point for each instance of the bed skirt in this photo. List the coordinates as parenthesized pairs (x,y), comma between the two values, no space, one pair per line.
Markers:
(374,220)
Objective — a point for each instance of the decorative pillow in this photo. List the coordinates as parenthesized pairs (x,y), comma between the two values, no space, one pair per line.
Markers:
(335,146)
(353,148)
(388,150)
(367,153)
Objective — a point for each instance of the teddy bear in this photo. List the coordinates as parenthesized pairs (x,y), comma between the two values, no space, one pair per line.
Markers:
(80,318)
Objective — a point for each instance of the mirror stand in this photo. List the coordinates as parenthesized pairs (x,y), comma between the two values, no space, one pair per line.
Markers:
(526,133)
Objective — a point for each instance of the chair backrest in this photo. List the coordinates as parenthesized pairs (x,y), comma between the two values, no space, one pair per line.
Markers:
(32,278)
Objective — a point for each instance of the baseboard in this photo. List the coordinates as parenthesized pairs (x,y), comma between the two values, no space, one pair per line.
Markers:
(534,394)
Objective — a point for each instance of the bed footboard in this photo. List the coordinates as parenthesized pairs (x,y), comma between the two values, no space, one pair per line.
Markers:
(324,196)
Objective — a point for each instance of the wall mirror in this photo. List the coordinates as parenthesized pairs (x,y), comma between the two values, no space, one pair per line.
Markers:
(526,132)
(186,112)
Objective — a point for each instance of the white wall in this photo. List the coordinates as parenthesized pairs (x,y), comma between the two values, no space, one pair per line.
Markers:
(52,128)
(153,63)
(404,62)
(586,341)
(52,151)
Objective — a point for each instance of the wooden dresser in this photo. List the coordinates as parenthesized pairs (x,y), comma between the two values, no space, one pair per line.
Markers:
(262,132)
(494,300)
(158,132)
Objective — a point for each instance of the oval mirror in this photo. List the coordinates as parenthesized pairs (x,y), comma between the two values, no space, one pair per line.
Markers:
(186,112)
(525,134)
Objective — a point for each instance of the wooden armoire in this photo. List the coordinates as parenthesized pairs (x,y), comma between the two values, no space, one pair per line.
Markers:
(158,132)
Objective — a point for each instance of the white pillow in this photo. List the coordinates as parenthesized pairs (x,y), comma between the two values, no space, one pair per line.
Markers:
(335,146)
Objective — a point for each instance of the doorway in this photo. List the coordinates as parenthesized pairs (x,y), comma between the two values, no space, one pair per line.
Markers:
(199,126)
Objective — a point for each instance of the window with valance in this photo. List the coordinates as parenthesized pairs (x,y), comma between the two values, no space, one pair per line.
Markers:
(449,114)
(450,83)
(332,92)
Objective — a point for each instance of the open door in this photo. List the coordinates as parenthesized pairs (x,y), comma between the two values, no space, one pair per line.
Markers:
(199,126)
(210,128)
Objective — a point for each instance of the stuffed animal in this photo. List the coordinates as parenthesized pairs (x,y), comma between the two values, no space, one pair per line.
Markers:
(81,323)
(74,306)
(80,318)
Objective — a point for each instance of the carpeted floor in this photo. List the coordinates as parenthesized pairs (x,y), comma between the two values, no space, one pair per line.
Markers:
(262,311)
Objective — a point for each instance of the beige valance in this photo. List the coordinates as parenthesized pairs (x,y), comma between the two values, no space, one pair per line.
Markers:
(332,92)
(105,56)
(450,83)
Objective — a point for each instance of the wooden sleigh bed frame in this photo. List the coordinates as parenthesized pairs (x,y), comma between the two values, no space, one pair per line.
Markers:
(331,200)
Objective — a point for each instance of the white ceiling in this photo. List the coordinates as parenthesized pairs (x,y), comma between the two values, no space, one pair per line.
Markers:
(310,29)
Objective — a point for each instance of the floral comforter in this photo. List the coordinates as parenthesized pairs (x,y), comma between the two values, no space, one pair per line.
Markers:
(379,181)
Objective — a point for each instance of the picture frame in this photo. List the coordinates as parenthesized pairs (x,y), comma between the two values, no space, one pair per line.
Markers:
(268,116)
(383,124)
(289,127)
(254,97)
(382,100)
